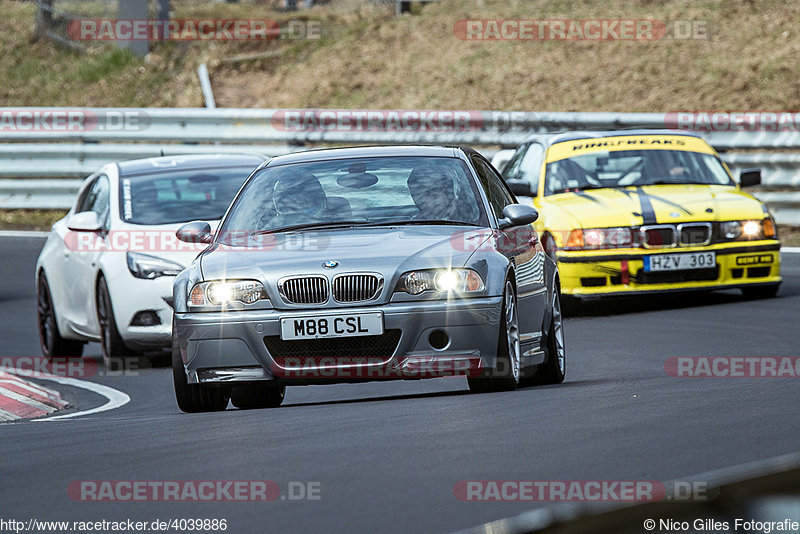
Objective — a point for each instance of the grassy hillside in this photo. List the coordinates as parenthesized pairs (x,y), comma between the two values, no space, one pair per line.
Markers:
(369,58)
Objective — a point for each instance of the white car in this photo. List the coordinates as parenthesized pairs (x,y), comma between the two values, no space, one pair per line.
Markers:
(106,271)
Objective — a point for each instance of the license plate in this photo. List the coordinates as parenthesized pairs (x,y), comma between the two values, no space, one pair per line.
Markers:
(338,325)
(679,262)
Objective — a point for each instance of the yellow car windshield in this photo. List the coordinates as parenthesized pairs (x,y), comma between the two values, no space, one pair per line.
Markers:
(623,168)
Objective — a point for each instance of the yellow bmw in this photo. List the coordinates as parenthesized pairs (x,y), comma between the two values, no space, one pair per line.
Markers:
(644,211)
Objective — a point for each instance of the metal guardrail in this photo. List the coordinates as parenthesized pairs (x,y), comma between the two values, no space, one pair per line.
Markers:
(38,194)
(230,125)
(99,133)
(76,160)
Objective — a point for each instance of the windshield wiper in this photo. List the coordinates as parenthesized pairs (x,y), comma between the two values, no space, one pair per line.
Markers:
(681,182)
(310,226)
(584,188)
(421,221)
(358,224)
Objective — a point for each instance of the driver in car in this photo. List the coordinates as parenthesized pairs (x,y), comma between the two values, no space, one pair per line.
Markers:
(434,194)
(297,200)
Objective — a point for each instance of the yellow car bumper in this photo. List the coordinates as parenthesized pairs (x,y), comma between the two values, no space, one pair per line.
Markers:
(621,271)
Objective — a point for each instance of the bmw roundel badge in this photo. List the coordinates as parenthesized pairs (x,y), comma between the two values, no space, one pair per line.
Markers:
(330,264)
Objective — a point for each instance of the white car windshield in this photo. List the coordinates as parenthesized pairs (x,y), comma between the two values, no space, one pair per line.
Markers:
(624,168)
(383,190)
(180,196)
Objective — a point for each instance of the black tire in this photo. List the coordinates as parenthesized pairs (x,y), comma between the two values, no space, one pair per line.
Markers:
(506,373)
(554,368)
(194,398)
(50,340)
(112,346)
(761,292)
(254,396)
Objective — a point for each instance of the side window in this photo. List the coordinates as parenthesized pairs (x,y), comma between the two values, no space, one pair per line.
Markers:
(84,200)
(527,166)
(512,168)
(101,199)
(96,198)
(498,195)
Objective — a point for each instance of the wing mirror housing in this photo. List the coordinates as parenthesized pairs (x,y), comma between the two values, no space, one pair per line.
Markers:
(195,232)
(85,221)
(750,177)
(518,215)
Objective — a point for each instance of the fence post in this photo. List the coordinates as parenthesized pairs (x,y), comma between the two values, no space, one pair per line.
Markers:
(134,10)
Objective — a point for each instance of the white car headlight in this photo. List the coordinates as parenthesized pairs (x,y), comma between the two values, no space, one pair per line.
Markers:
(222,292)
(149,267)
(442,280)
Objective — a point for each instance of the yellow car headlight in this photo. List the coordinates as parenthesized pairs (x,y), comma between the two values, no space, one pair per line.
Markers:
(599,238)
(748,229)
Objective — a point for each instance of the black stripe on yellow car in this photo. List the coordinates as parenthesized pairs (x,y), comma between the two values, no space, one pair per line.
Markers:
(587,196)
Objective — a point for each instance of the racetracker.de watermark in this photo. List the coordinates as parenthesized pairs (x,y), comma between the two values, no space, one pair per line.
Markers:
(733,366)
(398,120)
(580,491)
(27,120)
(37,366)
(193,491)
(192,30)
(579,29)
(166,241)
(733,121)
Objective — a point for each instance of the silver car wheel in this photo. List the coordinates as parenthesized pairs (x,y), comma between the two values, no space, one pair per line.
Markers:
(512,331)
(558,331)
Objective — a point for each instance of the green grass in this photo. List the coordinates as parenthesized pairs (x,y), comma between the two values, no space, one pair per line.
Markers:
(29,219)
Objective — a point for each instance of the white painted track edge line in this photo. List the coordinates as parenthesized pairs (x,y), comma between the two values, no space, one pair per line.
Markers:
(116,398)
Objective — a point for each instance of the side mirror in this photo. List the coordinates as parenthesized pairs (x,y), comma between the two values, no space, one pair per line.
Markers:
(195,232)
(521,188)
(750,177)
(518,215)
(85,221)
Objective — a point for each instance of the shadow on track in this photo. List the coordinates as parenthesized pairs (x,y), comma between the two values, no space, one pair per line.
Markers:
(381,398)
(600,307)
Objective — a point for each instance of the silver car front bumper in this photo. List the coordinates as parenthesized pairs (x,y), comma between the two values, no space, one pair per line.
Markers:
(230,347)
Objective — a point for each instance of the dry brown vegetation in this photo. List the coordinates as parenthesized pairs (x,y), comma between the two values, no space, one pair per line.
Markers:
(370,58)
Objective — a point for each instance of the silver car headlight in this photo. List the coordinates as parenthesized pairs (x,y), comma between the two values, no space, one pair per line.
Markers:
(223,292)
(441,280)
(149,267)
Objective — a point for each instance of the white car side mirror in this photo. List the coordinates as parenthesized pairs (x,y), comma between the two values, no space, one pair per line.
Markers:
(86,221)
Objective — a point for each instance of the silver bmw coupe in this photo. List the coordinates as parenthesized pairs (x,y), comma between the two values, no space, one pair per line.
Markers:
(359,264)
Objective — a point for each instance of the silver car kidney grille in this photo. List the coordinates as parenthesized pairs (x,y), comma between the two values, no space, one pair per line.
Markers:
(305,290)
(356,287)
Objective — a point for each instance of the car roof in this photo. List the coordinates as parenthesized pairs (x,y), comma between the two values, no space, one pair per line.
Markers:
(549,139)
(362,152)
(187,162)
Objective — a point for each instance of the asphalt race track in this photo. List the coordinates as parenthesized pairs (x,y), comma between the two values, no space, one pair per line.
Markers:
(387,455)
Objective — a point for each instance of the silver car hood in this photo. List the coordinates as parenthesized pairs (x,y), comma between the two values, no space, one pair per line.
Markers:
(388,251)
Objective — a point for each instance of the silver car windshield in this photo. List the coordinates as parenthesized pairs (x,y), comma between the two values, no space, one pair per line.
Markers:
(633,167)
(357,191)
